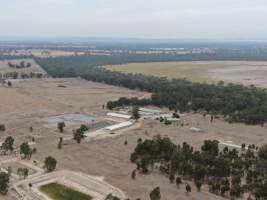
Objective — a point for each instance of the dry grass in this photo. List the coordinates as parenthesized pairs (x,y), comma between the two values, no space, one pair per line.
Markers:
(188,70)
(243,72)
(29,101)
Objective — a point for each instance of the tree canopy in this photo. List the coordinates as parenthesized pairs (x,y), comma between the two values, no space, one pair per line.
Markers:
(221,170)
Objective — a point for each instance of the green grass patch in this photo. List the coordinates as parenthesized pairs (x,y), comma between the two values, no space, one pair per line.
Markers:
(57,191)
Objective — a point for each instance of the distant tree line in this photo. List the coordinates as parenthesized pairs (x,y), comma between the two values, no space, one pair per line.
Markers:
(13,57)
(23,75)
(235,102)
(226,172)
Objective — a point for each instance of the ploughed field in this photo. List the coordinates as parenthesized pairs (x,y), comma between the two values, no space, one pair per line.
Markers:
(244,72)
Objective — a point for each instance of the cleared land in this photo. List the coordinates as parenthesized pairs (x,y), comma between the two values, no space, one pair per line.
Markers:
(60,192)
(28,102)
(35,68)
(209,71)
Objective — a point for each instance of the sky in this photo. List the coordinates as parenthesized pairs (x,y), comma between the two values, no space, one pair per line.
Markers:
(163,19)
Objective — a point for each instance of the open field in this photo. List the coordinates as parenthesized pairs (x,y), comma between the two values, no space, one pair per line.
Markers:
(34,68)
(29,102)
(243,72)
(60,192)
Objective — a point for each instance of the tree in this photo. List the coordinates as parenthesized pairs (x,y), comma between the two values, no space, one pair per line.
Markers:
(2,127)
(61,126)
(135,112)
(4,181)
(9,171)
(178,181)
(50,163)
(155,194)
(111,197)
(133,174)
(261,191)
(172,178)
(236,191)
(9,84)
(59,145)
(211,147)
(243,147)
(8,144)
(79,133)
(188,188)
(263,152)
(198,185)
(25,150)
(25,172)
(19,172)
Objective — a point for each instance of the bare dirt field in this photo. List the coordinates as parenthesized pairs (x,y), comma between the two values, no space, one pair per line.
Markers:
(243,72)
(35,68)
(28,102)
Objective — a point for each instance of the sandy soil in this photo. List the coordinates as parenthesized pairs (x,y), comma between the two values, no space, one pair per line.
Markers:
(29,101)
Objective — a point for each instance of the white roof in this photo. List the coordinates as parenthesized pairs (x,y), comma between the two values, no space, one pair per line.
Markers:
(194,129)
(119,115)
(119,126)
(173,119)
(149,110)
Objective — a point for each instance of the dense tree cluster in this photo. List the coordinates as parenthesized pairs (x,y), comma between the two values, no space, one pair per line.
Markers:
(226,172)
(236,103)
(123,101)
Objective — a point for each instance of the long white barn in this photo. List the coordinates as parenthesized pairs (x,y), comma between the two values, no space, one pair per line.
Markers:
(119,126)
(119,115)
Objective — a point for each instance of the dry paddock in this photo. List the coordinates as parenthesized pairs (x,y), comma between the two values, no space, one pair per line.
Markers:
(29,101)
